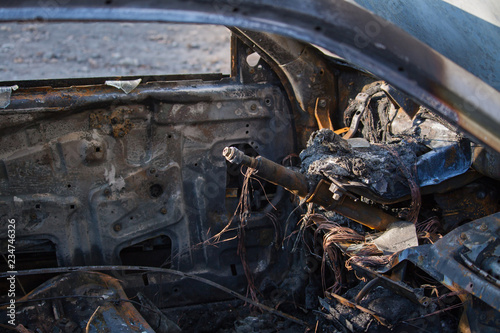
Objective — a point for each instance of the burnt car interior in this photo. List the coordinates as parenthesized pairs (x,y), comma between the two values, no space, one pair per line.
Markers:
(298,193)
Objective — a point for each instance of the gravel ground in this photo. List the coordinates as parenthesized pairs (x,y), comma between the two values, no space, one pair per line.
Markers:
(62,50)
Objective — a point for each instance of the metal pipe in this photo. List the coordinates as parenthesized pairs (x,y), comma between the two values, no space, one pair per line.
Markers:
(274,173)
(297,183)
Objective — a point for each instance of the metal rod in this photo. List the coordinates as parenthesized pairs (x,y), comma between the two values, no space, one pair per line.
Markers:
(154,270)
(274,173)
(297,183)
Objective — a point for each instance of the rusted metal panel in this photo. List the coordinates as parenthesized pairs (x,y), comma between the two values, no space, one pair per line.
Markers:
(443,261)
(86,301)
(106,175)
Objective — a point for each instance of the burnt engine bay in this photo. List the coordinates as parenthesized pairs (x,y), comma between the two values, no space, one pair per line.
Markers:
(338,204)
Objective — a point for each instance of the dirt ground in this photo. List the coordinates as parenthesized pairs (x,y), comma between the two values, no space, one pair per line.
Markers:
(62,50)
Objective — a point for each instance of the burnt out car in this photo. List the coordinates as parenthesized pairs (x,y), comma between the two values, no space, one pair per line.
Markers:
(343,177)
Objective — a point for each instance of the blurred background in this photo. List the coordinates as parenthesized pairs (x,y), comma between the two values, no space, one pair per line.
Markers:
(64,50)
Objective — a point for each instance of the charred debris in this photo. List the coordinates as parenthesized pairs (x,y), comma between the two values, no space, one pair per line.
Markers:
(384,173)
(338,204)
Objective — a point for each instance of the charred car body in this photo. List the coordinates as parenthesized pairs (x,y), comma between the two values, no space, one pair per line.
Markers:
(334,197)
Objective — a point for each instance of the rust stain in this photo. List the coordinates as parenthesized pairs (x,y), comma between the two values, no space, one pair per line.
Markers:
(451,158)
(114,123)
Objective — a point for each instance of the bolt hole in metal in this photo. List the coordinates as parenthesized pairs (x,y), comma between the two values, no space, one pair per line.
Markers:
(145,279)
(253,145)
(156,190)
(233,270)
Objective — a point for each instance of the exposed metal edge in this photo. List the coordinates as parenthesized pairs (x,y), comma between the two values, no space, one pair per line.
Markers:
(390,53)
